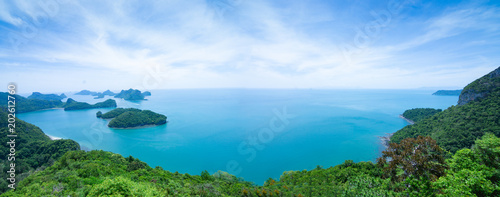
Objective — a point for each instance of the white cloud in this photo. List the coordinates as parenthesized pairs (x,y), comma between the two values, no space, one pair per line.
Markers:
(244,44)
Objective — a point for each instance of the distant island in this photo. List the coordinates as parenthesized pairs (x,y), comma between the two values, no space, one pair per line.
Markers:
(48,97)
(132,118)
(97,95)
(75,105)
(132,94)
(86,92)
(447,93)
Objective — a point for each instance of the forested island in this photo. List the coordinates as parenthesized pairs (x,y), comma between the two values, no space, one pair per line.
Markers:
(447,93)
(48,97)
(451,153)
(132,118)
(75,105)
(132,94)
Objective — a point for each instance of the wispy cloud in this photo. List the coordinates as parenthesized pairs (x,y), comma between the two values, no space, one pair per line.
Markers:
(235,43)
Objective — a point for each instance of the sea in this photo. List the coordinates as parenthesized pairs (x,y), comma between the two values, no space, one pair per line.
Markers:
(254,134)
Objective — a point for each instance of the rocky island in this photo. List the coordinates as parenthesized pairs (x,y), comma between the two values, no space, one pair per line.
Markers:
(127,118)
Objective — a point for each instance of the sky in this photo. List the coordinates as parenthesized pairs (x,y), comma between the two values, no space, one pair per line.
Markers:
(61,45)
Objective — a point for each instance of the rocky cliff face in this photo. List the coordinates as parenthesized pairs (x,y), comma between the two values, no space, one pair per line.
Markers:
(481,87)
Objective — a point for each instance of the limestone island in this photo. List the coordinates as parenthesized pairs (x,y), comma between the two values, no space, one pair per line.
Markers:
(129,118)
(132,94)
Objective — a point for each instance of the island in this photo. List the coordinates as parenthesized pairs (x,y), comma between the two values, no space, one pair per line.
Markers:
(86,92)
(447,93)
(127,118)
(132,94)
(48,97)
(75,105)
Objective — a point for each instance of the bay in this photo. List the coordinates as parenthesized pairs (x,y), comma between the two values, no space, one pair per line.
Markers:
(252,133)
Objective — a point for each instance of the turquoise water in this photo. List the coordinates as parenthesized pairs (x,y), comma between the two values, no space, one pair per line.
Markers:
(252,133)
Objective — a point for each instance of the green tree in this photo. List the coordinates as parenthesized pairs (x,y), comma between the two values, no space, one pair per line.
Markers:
(418,159)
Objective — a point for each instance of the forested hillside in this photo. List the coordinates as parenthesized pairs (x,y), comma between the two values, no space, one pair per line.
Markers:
(458,126)
(34,150)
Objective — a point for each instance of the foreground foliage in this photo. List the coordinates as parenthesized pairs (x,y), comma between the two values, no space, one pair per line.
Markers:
(34,150)
(101,173)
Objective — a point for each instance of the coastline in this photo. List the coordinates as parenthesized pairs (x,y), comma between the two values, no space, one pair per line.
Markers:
(387,138)
(137,127)
(407,120)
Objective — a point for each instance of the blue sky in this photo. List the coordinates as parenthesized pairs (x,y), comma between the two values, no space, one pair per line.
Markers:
(68,46)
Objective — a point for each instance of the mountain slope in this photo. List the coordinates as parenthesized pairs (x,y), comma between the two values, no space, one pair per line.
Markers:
(457,127)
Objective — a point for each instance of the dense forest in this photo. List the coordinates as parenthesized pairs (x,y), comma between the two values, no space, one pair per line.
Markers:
(131,117)
(451,153)
(75,105)
(419,114)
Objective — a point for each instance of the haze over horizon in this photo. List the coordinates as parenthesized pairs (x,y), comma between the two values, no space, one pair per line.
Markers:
(65,46)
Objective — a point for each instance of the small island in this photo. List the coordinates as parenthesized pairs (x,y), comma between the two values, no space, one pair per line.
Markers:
(75,105)
(132,94)
(128,118)
(447,93)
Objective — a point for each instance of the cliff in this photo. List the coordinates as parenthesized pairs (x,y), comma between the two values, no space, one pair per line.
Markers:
(481,88)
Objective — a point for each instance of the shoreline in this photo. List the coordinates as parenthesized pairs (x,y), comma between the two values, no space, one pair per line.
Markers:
(387,138)
(137,127)
(407,120)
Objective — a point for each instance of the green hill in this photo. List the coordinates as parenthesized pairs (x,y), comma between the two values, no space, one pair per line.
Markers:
(458,126)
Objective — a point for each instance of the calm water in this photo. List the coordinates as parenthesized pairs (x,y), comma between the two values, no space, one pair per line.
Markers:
(255,134)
